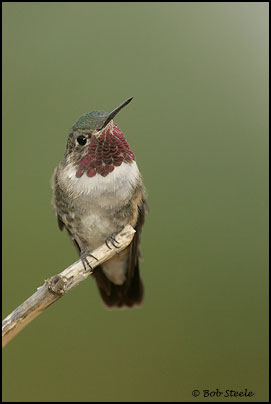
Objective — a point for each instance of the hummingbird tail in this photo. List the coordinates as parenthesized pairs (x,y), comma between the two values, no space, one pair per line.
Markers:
(129,294)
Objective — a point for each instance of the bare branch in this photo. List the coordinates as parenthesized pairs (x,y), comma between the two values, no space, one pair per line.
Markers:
(58,285)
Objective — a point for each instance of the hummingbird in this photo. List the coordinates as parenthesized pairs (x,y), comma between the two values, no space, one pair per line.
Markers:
(97,191)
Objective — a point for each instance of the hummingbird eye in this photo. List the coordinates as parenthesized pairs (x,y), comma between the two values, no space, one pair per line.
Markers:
(82,140)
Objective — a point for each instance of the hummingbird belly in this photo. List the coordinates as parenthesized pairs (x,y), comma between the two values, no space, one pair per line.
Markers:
(91,231)
(94,227)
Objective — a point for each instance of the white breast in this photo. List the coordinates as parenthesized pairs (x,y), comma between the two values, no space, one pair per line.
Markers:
(111,190)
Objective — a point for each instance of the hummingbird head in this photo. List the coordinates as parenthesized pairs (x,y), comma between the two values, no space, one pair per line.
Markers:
(96,145)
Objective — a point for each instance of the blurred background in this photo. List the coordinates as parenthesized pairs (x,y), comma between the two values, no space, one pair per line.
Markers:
(198,126)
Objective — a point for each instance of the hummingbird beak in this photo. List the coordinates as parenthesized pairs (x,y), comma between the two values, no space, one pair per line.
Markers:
(115,112)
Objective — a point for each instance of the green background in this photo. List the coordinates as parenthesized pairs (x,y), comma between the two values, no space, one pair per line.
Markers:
(198,126)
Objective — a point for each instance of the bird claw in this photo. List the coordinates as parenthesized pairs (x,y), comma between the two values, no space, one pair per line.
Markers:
(113,241)
(84,260)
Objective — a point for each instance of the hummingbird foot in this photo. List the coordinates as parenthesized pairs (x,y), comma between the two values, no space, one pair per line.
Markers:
(84,260)
(112,240)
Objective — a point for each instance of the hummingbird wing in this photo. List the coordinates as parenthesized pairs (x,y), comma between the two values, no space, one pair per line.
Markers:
(62,226)
(60,206)
(134,286)
(134,253)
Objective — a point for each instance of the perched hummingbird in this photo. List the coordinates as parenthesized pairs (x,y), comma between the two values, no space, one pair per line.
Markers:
(97,190)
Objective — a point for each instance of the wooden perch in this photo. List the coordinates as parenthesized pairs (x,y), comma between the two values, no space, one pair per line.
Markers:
(58,285)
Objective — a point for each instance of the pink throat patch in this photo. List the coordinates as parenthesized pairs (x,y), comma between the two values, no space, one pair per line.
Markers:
(105,152)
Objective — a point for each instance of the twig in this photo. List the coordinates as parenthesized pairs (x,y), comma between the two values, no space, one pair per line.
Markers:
(58,285)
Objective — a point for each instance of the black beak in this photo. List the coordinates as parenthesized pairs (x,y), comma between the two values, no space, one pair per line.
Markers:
(115,111)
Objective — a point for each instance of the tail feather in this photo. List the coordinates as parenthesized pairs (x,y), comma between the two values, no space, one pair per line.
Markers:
(128,294)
